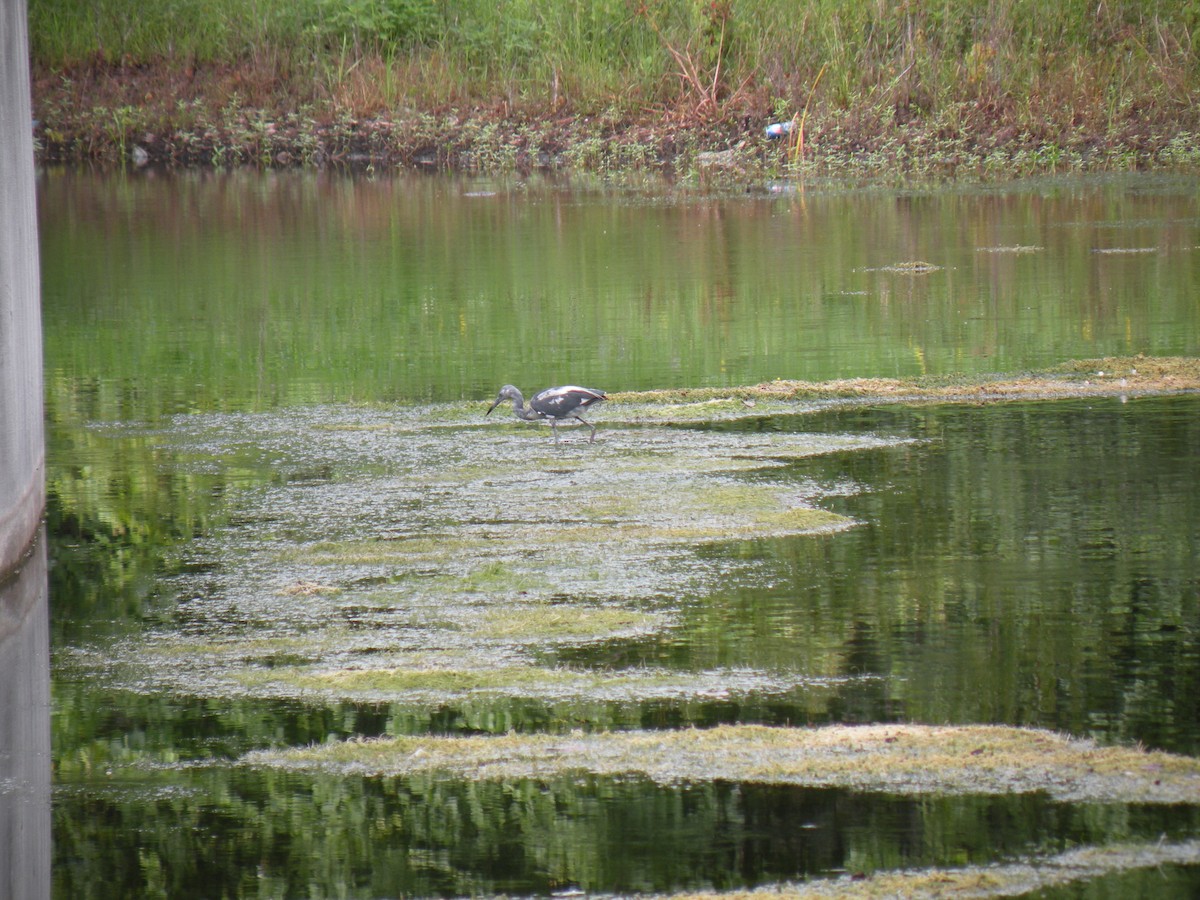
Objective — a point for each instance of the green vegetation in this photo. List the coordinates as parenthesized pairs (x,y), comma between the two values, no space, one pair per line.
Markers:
(893,758)
(989,87)
(1135,863)
(466,595)
(495,686)
(436,640)
(459,595)
(1124,376)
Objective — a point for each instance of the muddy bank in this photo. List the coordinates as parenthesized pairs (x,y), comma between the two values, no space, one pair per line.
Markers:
(146,115)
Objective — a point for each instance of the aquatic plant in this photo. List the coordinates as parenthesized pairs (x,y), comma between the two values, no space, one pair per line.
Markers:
(1020,86)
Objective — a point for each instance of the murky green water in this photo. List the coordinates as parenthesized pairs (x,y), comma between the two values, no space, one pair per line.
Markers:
(249,290)
(269,467)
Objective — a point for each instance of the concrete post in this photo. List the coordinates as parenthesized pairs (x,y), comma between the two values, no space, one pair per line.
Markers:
(24,621)
(25,731)
(22,454)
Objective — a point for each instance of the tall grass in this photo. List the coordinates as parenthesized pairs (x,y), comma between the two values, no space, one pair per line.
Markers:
(619,50)
(1029,62)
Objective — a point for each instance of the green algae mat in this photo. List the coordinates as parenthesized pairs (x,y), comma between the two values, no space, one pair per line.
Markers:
(422,556)
(904,759)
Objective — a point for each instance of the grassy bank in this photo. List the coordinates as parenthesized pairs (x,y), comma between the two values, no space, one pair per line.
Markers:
(929,87)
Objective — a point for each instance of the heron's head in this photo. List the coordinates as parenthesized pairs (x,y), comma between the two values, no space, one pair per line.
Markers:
(508,392)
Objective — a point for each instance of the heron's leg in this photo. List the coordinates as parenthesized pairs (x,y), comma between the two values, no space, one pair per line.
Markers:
(592,438)
(554,428)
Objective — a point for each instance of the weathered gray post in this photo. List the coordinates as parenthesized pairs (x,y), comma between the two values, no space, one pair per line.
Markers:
(25,731)
(22,454)
(24,620)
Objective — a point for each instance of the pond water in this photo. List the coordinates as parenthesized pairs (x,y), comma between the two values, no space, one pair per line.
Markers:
(278,517)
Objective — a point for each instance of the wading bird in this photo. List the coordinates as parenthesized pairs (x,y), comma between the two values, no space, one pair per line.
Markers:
(554,404)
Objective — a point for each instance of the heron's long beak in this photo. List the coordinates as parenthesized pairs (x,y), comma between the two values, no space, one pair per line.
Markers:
(493,406)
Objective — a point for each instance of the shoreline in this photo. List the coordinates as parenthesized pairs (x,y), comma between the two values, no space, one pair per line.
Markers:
(139,116)
(1122,377)
(481,144)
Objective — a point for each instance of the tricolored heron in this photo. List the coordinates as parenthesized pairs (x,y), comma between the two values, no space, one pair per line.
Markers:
(556,403)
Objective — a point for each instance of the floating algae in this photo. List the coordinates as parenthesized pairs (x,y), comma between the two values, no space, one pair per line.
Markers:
(425,538)
(420,567)
(446,574)
(908,267)
(1014,879)
(901,759)
(1011,248)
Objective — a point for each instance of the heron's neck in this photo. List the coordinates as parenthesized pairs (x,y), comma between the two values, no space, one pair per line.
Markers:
(524,412)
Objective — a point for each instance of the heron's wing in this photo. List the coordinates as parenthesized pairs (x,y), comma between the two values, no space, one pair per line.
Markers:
(588,396)
(559,401)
